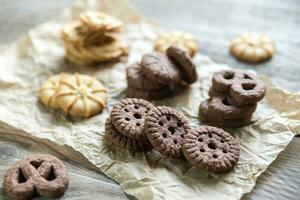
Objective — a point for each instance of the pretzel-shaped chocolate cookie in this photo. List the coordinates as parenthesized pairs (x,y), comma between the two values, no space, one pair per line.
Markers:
(44,175)
(244,88)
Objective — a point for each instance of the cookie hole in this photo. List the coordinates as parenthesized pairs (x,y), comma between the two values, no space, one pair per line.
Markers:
(51,176)
(212,146)
(178,124)
(126,110)
(146,111)
(172,130)
(246,76)
(215,156)
(164,135)
(127,119)
(228,75)
(160,123)
(225,102)
(21,177)
(202,150)
(225,151)
(222,141)
(248,86)
(138,124)
(36,164)
(136,107)
(200,139)
(181,135)
(137,115)
(210,135)
(175,141)
(168,118)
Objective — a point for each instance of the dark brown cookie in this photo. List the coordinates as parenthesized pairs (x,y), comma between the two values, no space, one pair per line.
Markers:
(158,67)
(128,117)
(247,91)
(184,62)
(43,175)
(211,149)
(220,122)
(220,107)
(165,129)
(119,140)
(213,93)
(149,94)
(223,80)
(136,79)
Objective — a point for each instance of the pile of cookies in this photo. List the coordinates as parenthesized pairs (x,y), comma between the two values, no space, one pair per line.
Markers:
(158,74)
(137,125)
(93,38)
(233,99)
(76,94)
(36,175)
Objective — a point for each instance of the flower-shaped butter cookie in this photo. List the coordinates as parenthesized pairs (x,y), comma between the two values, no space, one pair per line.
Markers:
(181,39)
(252,47)
(81,95)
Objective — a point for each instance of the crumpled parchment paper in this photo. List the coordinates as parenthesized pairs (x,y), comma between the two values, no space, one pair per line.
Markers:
(40,53)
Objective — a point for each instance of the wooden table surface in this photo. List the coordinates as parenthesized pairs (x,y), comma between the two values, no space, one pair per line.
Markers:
(214,23)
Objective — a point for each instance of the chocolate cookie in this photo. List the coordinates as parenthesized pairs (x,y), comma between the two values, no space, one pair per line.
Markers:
(119,140)
(247,91)
(43,175)
(220,107)
(221,122)
(211,149)
(128,117)
(136,79)
(223,80)
(184,62)
(165,128)
(158,67)
(149,94)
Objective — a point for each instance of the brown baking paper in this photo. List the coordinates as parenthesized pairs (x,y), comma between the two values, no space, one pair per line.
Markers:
(40,54)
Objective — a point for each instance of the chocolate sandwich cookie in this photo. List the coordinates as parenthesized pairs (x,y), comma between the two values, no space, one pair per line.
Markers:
(43,175)
(116,138)
(136,79)
(149,94)
(221,122)
(184,62)
(223,80)
(158,67)
(128,117)
(211,149)
(165,128)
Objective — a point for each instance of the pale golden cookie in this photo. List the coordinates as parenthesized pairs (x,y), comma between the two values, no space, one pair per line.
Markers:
(72,32)
(181,39)
(81,95)
(98,20)
(252,47)
(49,89)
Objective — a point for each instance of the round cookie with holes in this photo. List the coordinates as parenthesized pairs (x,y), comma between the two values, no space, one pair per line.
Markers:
(211,149)
(165,128)
(158,67)
(128,117)
(116,138)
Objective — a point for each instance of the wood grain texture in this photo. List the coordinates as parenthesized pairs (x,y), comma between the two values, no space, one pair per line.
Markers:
(214,23)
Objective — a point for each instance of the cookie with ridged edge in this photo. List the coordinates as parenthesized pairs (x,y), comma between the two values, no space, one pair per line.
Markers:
(116,138)
(128,117)
(158,67)
(211,149)
(136,79)
(219,121)
(184,62)
(165,128)
(149,94)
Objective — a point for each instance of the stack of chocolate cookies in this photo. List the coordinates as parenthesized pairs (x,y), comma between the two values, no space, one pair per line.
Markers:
(233,99)
(137,125)
(157,75)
